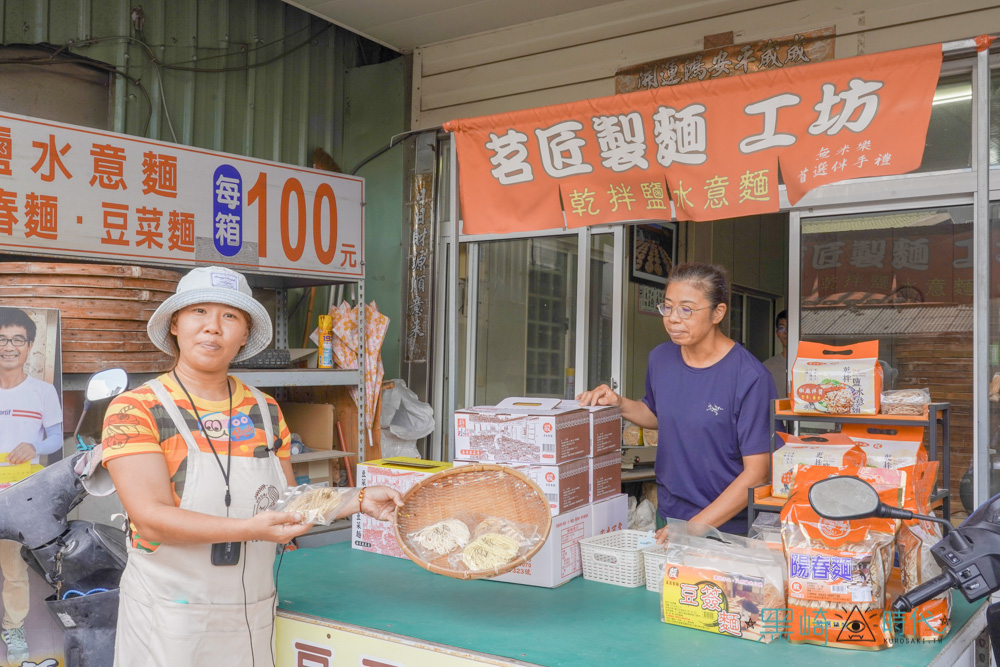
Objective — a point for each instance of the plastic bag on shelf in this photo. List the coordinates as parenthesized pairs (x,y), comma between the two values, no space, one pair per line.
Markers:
(405,419)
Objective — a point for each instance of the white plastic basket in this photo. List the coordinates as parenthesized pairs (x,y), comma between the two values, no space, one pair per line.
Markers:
(655,564)
(614,558)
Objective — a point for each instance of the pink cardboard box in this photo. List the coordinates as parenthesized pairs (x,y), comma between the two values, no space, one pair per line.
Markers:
(605,428)
(559,560)
(566,485)
(527,430)
(605,476)
(610,514)
(399,473)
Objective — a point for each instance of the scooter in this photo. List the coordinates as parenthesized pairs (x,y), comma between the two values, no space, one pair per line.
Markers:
(82,560)
(969,555)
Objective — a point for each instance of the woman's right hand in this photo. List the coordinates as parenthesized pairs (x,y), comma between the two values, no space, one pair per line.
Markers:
(600,395)
(280,527)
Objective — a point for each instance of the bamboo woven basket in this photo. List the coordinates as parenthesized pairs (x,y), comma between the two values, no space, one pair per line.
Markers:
(481,489)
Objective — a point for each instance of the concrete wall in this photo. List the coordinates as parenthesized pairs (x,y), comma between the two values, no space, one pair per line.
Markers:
(575,56)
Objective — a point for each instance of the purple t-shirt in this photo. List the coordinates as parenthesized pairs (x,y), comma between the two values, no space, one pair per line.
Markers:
(709,418)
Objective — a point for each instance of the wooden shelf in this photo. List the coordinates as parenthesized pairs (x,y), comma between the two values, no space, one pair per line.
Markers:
(321,455)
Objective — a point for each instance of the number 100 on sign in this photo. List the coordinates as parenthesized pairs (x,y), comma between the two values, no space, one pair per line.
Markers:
(306,221)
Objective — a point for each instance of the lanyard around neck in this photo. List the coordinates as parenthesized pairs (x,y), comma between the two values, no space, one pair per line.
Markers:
(229,431)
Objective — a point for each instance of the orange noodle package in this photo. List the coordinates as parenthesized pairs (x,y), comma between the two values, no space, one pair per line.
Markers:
(888,446)
(825,449)
(932,620)
(838,570)
(836,380)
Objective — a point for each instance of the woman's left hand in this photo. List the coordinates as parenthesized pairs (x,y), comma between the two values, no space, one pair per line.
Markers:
(380,502)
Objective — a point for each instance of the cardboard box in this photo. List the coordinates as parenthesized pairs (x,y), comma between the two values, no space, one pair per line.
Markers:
(527,430)
(605,476)
(566,485)
(605,427)
(610,514)
(399,473)
(558,560)
(314,422)
(323,471)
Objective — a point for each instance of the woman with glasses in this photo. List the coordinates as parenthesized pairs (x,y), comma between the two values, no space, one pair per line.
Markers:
(778,364)
(709,398)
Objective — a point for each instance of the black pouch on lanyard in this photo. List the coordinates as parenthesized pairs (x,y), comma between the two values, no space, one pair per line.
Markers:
(226,553)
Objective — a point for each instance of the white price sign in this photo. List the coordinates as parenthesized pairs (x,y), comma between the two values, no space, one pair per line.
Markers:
(68,190)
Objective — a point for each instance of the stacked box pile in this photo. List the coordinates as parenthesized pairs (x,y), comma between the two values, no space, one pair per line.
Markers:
(573,454)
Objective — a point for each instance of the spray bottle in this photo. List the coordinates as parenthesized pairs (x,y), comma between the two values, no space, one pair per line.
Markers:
(325,342)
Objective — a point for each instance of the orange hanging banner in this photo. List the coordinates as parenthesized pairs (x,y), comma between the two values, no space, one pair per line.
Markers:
(712,148)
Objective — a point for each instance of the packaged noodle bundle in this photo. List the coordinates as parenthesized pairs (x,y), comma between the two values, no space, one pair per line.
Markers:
(318,504)
(931,620)
(888,446)
(838,570)
(836,380)
(828,449)
(723,587)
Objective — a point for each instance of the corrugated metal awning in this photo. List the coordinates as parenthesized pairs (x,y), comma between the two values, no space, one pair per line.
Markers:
(886,320)
(872,222)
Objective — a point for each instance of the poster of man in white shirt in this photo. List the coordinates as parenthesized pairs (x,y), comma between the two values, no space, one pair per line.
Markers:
(31,434)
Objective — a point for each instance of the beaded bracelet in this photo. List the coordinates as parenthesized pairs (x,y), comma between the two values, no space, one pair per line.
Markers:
(361,499)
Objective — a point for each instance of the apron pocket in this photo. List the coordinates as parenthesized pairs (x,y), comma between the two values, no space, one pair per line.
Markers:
(211,634)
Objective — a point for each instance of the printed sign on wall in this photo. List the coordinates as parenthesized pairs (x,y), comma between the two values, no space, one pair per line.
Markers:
(94,194)
(710,149)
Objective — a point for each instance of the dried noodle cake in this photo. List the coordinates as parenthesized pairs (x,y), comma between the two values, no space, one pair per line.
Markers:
(495,524)
(489,551)
(442,537)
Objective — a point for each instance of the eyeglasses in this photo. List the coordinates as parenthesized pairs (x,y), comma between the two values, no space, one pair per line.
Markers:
(683,312)
(16,341)
(781,328)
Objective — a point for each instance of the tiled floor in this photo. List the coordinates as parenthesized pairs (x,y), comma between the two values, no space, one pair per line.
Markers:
(44,634)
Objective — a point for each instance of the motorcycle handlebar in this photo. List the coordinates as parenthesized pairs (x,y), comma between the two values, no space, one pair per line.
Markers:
(926,591)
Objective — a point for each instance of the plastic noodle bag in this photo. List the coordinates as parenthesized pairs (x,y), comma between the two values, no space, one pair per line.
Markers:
(495,542)
(836,380)
(905,401)
(726,587)
(838,570)
(767,528)
(829,449)
(888,446)
(318,504)
(932,620)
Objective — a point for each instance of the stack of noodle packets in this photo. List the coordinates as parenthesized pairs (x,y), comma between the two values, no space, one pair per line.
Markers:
(932,620)
(836,380)
(838,570)
(723,587)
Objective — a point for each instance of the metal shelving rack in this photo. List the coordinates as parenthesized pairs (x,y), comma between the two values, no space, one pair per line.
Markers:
(283,377)
(936,413)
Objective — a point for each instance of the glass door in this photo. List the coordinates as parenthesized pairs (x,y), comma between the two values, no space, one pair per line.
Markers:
(903,277)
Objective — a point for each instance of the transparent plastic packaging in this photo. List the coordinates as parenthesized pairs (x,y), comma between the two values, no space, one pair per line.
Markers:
(732,580)
(317,503)
(473,541)
(905,401)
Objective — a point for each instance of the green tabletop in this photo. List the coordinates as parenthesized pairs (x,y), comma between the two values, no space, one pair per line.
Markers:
(579,623)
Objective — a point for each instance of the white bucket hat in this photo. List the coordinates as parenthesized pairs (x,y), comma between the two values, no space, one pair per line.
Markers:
(212,284)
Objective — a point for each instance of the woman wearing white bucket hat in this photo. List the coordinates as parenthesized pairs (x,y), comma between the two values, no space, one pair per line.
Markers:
(198,457)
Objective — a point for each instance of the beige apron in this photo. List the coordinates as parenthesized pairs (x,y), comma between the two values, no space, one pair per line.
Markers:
(177,608)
